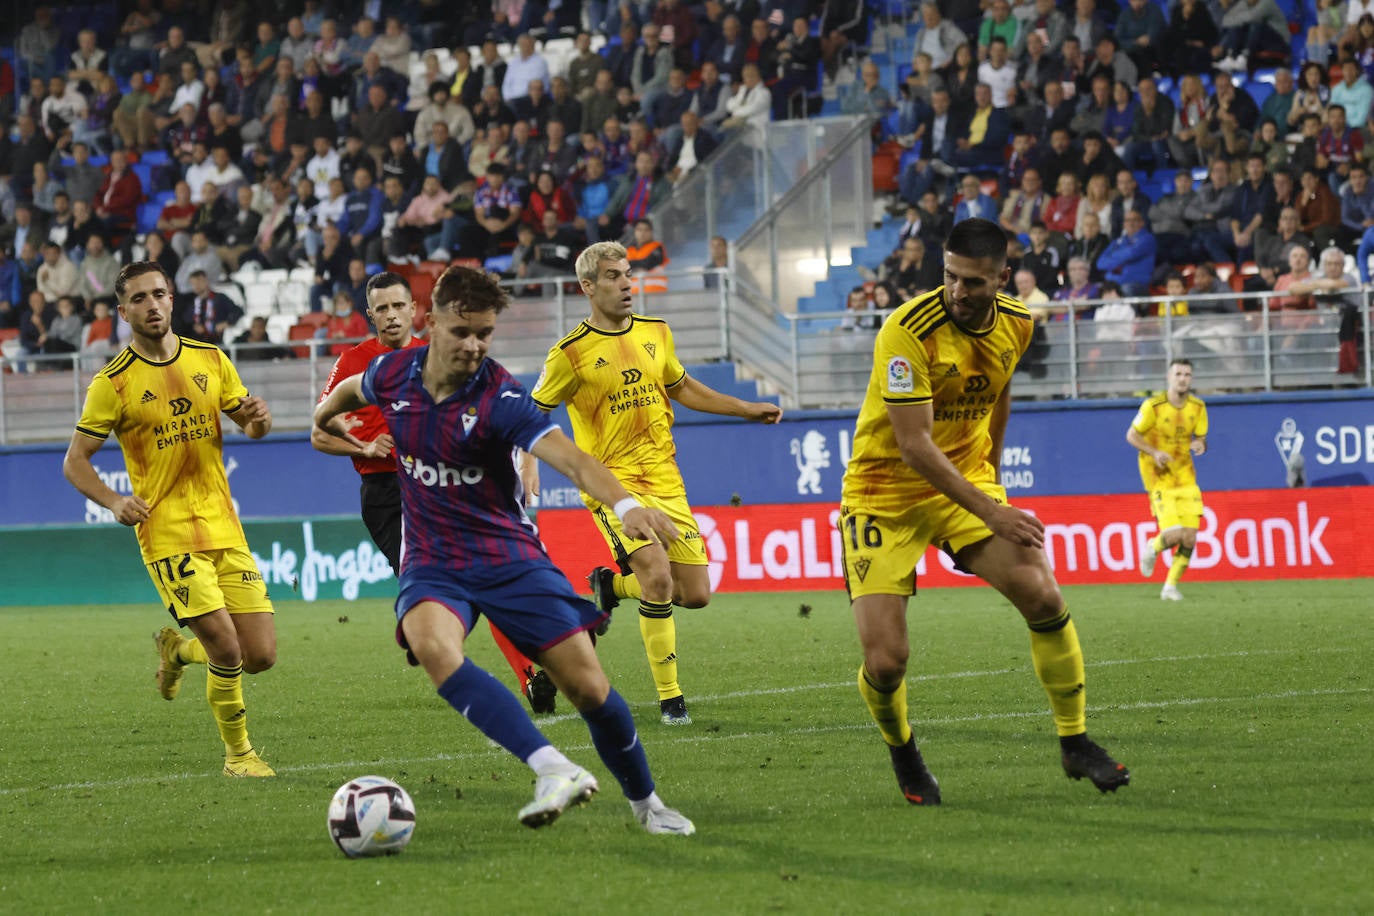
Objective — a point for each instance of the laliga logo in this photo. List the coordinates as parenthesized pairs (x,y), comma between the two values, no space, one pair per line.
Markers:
(812,457)
(715,547)
(441,476)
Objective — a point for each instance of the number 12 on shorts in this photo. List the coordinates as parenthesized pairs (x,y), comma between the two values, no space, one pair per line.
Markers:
(166,574)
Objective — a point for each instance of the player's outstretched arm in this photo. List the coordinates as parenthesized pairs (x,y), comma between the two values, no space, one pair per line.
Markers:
(698,396)
(253,417)
(1161,458)
(81,473)
(351,446)
(912,424)
(329,413)
(595,479)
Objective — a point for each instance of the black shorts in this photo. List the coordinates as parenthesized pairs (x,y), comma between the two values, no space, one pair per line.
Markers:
(381,500)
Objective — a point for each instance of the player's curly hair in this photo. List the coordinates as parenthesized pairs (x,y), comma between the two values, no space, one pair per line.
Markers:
(463,290)
(138,269)
(589,261)
(978,239)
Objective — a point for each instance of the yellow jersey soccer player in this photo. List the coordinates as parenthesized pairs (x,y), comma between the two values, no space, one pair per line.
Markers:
(162,397)
(923,472)
(1168,431)
(619,373)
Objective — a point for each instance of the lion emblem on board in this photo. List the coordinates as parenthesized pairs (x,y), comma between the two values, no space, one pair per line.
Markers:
(812,457)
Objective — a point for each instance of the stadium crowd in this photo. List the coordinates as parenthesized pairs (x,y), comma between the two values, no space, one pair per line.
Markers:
(210,135)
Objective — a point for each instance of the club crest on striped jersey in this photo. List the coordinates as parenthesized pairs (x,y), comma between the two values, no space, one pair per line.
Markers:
(469,419)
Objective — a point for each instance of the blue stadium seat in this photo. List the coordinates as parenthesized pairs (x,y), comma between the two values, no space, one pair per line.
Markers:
(147,217)
(155,157)
(163,198)
(497,263)
(144,171)
(99,161)
(1258,91)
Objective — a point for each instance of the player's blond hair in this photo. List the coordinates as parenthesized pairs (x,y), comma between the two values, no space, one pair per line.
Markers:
(589,261)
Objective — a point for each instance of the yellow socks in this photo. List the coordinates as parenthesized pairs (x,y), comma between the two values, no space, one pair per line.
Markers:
(1058,663)
(888,708)
(625,586)
(1157,543)
(659,632)
(224,690)
(191,652)
(1180,563)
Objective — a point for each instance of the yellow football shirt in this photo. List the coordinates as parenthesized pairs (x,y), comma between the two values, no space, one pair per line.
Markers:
(922,356)
(167,419)
(616,386)
(1170,429)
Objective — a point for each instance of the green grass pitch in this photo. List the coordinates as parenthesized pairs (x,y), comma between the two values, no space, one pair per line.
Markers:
(1245,715)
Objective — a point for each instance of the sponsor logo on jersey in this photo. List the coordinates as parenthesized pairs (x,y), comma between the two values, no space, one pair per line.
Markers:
(977,383)
(631,376)
(180,406)
(441,475)
(900,379)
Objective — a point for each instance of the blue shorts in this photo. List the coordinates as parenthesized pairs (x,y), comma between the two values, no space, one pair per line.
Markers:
(532,603)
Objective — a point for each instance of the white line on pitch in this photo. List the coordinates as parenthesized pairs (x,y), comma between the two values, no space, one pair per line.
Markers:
(493,751)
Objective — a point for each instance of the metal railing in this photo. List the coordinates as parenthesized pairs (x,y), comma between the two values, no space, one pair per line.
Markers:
(814,224)
(807,360)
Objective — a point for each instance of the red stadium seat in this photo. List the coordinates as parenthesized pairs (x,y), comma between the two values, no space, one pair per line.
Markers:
(313,319)
(302,332)
(422,287)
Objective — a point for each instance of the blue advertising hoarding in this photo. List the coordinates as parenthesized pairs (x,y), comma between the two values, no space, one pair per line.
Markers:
(1051,449)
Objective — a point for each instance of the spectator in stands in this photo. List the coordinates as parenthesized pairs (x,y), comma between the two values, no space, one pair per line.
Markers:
(496,209)
(1231,117)
(1078,286)
(710,99)
(867,95)
(158,251)
(61,110)
(913,98)
(583,68)
(652,63)
(532,107)
(593,194)
(1189,120)
(555,247)
(1044,258)
(422,222)
(1209,212)
(1249,28)
(323,166)
(393,46)
(718,260)
(939,37)
(1025,205)
(999,23)
(331,266)
(212,215)
(1034,298)
(1294,312)
(57,275)
(224,174)
(378,122)
(1270,146)
(97,272)
(679,22)
(345,323)
(24,228)
(1357,211)
(254,343)
(207,314)
(1272,247)
(639,139)
(1130,258)
(936,132)
(669,105)
(117,201)
(799,58)
(488,148)
(523,153)
(37,45)
(691,147)
(973,202)
(1140,29)
(564,107)
(911,269)
(600,105)
(81,179)
(647,255)
(1353,94)
(857,306)
(1170,225)
(985,136)
(1060,214)
(749,106)
(34,320)
(60,221)
(1338,147)
(201,258)
(1319,210)
(1310,97)
(1089,243)
(560,156)
(960,76)
(44,189)
(638,193)
(727,53)
(1253,203)
(1097,200)
(239,229)
(1128,197)
(526,65)
(1057,157)
(99,339)
(28,148)
(1190,36)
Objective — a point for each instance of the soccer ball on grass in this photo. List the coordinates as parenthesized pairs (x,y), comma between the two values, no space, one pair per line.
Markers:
(371,816)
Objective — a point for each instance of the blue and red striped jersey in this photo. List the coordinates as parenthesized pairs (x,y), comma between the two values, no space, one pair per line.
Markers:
(460,493)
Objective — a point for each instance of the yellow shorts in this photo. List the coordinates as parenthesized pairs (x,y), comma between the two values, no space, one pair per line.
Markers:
(1177,507)
(688,550)
(196,584)
(882,548)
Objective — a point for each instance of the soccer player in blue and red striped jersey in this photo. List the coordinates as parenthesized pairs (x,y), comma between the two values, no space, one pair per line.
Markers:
(469,549)
(392,310)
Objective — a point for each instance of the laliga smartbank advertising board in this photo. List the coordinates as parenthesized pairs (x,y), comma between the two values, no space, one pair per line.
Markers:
(1246,534)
